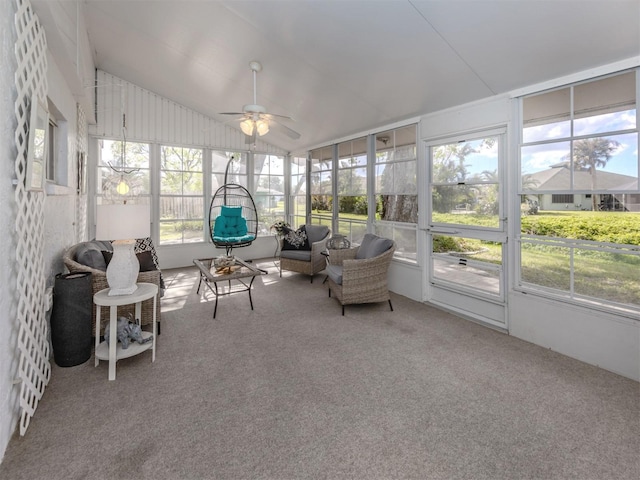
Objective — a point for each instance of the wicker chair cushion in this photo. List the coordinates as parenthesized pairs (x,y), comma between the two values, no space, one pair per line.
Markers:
(372,246)
(335,273)
(303,255)
(315,233)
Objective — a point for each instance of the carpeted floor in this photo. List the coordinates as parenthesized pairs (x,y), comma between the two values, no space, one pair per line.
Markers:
(294,390)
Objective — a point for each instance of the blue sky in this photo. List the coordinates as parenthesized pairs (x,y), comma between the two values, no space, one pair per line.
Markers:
(540,156)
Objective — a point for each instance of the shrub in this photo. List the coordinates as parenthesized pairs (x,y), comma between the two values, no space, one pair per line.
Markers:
(622,228)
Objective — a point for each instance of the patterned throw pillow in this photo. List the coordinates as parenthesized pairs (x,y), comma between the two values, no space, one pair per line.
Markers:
(296,239)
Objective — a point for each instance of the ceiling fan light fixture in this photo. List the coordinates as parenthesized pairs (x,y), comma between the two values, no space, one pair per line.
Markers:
(262,127)
(254,118)
(247,126)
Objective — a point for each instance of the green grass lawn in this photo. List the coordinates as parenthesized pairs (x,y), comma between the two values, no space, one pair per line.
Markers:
(609,276)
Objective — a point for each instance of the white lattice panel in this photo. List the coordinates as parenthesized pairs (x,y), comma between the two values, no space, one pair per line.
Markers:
(31,76)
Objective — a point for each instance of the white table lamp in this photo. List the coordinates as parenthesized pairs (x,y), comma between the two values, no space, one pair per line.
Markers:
(122,224)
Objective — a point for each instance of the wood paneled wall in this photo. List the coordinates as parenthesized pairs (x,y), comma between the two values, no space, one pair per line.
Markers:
(152,118)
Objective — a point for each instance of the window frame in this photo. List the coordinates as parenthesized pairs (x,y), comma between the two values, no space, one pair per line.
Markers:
(396,229)
(349,162)
(574,248)
(269,214)
(183,219)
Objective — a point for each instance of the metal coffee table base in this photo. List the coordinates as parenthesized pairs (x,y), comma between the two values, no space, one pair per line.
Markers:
(244,276)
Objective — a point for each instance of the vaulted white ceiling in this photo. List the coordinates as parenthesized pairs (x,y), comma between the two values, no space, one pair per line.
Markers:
(343,67)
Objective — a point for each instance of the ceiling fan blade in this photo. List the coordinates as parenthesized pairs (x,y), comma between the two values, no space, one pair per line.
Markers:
(272,115)
(286,130)
(231,113)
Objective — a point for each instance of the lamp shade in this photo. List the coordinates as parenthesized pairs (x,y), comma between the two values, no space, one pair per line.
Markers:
(262,126)
(247,126)
(122,222)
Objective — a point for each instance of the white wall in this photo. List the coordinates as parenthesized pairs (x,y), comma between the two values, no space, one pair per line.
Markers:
(607,341)
(8,324)
(60,208)
(153,118)
(175,256)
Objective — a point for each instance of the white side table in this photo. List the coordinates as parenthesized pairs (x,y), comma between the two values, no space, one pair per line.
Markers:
(114,351)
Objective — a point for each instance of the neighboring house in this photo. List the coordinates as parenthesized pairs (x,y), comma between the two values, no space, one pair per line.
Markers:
(558,178)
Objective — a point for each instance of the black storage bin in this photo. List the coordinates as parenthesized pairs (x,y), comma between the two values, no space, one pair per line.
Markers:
(71,319)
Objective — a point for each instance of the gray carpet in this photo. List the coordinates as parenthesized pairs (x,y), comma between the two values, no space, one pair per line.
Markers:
(294,390)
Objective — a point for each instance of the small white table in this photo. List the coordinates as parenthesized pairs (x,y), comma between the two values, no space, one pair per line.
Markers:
(114,351)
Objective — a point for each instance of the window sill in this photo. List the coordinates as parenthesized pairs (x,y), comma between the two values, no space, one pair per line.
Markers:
(55,189)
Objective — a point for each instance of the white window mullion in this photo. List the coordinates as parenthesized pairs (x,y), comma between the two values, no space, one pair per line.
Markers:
(154,167)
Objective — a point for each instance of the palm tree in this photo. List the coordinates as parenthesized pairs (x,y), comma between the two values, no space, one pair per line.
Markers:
(590,154)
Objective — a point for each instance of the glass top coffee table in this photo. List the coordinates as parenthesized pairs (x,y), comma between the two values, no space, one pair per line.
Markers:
(241,273)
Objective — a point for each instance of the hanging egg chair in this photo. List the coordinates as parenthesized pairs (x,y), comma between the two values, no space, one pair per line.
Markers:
(233,219)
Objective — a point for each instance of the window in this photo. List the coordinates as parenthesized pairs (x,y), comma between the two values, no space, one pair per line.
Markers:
(396,190)
(561,198)
(579,193)
(269,195)
(298,191)
(375,185)
(123,169)
(322,186)
(236,172)
(181,195)
(52,157)
(352,189)
(58,157)
(466,183)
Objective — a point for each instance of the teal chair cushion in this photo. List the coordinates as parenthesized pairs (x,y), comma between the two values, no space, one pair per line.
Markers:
(231,211)
(230,223)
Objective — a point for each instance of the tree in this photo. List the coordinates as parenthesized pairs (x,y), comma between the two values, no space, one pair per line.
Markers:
(449,168)
(487,196)
(590,154)
(181,170)
(399,207)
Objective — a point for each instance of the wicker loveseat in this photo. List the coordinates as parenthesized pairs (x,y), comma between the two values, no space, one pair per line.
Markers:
(359,274)
(85,257)
(307,259)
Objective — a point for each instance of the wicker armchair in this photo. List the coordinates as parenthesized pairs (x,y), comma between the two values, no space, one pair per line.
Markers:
(311,261)
(99,282)
(361,280)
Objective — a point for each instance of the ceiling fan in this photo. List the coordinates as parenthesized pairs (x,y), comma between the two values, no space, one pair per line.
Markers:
(254,119)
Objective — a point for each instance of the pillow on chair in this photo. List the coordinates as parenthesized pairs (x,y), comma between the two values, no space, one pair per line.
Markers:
(316,232)
(231,211)
(296,240)
(230,223)
(372,246)
(90,254)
